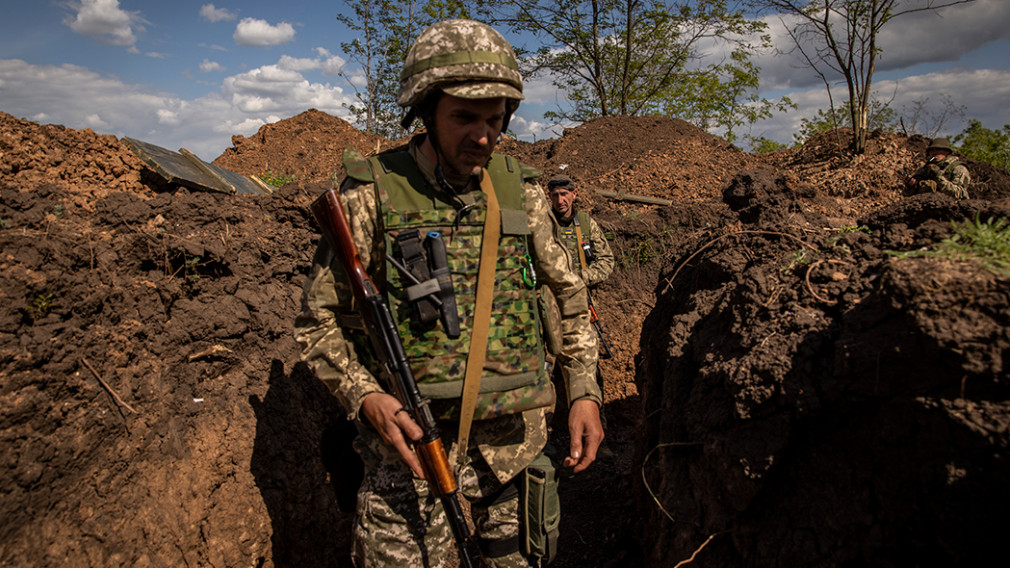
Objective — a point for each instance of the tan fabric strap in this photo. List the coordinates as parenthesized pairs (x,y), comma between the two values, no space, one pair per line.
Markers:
(481,317)
(582,252)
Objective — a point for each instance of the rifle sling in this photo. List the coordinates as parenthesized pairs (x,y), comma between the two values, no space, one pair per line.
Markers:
(481,316)
(582,253)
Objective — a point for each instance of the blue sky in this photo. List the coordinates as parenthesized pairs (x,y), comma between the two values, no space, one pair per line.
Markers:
(191,73)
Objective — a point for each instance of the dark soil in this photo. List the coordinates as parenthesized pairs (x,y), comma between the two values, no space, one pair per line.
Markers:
(782,390)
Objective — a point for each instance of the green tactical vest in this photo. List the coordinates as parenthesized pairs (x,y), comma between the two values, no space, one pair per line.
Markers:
(514,377)
(571,240)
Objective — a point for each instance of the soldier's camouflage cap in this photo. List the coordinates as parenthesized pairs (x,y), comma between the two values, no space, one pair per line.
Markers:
(463,58)
(940,144)
(559,181)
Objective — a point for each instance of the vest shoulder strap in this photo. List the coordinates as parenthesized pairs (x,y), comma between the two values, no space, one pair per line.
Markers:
(508,175)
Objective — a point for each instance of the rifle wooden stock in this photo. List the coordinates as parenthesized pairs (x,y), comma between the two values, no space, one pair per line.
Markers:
(381,329)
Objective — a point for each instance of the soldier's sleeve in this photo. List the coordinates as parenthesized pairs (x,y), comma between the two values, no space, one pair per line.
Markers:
(326,346)
(577,357)
(955,181)
(601,268)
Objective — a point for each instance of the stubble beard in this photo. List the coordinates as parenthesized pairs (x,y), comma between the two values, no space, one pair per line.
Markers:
(471,158)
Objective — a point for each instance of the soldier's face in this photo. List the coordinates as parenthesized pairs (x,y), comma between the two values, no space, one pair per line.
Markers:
(467,131)
(562,199)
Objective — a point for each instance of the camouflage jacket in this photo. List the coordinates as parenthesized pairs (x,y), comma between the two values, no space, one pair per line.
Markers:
(507,443)
(603,263)
(946,176)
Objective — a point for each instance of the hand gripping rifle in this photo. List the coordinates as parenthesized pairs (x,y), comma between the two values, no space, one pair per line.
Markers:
(389,351)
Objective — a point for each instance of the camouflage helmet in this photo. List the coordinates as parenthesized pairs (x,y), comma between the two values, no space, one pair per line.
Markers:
(463,58)
(939,144)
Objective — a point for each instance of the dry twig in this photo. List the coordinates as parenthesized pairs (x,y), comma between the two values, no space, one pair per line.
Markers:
(669,281)
(695,553)
(645,482)
(810,286)
(115,396)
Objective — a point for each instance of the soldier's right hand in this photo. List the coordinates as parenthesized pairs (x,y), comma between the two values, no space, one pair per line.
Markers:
(395,425)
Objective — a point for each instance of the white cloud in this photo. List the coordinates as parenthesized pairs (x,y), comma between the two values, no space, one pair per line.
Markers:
(208,66)
(945,35)
(540,90)
(166,116)
(532,130)
(77,97)
(909,40)
(297,64)
(105,21)
(274,88)
(330,64)
(95,120)
(251,32)
(212,14)
(983,92)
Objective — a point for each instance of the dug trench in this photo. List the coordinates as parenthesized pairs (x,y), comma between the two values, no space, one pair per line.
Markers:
(784,389)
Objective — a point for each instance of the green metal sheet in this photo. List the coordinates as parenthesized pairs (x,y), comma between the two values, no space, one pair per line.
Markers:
(186,169)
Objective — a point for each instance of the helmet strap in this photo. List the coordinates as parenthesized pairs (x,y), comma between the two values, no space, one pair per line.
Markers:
(440,178)
(408,119)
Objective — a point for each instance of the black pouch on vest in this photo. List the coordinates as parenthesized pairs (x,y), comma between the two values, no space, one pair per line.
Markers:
(539,511)
(415,261)
(435,245)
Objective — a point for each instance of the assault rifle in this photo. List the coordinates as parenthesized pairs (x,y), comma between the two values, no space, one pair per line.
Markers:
(595,320)
(379,325)
(910,180)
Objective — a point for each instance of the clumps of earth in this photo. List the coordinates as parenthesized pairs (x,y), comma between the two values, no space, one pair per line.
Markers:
(786,387)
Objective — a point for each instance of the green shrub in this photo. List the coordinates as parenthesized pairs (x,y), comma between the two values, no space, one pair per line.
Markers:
(276,179)
(987,243)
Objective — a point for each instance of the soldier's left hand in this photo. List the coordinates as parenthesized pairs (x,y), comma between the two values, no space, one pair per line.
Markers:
(395,426)
(586,432)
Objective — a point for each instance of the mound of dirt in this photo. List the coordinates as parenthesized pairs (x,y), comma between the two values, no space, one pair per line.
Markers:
(654,156)
(811,400)
(865,182)
(153,409)
(308,146)
(89,165)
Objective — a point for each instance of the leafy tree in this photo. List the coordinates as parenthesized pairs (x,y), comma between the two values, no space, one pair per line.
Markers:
(838,38)
(762,145)
(638,57)
(881,117)
(385,31)
(985,145)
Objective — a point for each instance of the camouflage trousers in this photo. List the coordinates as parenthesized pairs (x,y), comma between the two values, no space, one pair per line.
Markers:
(400,523)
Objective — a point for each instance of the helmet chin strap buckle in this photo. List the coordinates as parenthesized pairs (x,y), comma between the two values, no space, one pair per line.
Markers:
(442,182)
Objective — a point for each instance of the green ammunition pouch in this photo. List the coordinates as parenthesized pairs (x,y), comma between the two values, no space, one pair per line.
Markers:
(539,511)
